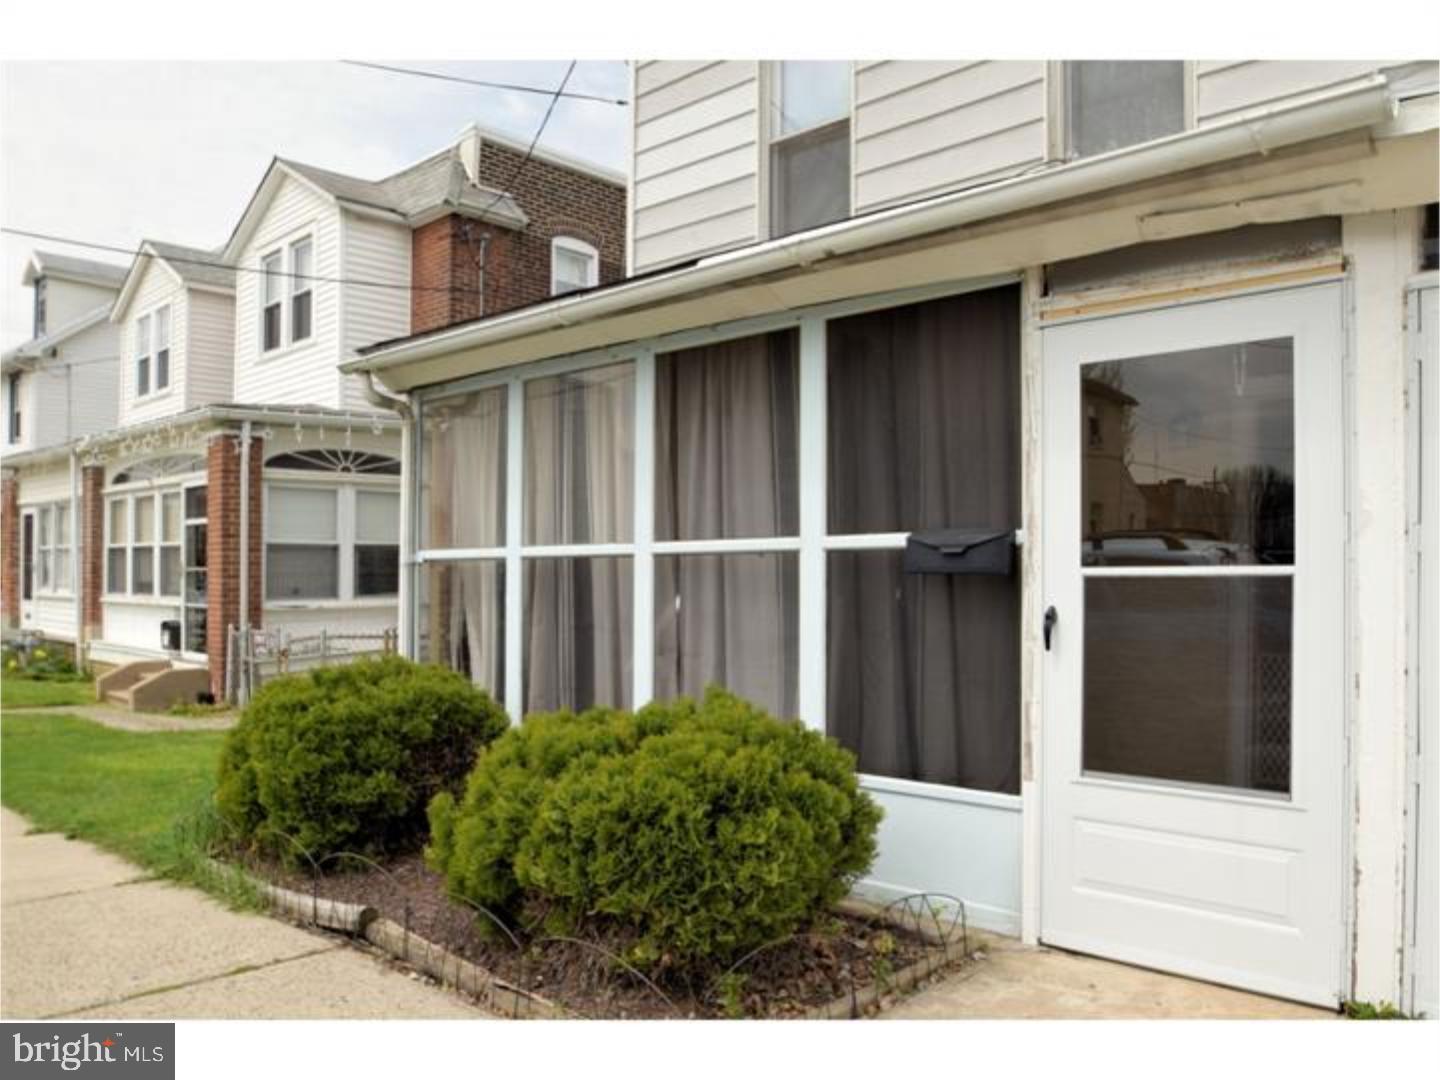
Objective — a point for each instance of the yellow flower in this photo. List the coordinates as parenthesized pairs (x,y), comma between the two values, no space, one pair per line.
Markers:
(40,654)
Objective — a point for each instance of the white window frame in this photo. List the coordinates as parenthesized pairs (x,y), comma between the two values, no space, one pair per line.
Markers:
(345,491)
(813,543)
(128,496)
(300,286)
(290,286)
(574,246)
(144,349)
(265,303)
(1057,107)
(772,135)
(156,349)
(51,556)
(14,414)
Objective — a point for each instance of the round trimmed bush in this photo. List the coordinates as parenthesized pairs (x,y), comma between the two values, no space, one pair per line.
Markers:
(347,758)
(704,829)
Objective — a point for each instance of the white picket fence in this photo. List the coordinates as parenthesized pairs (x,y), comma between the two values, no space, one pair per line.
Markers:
(255,655)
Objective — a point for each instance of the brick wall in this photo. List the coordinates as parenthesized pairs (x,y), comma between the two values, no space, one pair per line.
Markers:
(447,254)
(92,550)
(10,551)
(223,547)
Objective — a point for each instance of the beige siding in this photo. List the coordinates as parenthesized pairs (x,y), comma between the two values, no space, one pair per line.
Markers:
(923,127)
(1226,86)
(158,286)
(66,301)
(373,251)
(210,356)
(294,374)
(696,156)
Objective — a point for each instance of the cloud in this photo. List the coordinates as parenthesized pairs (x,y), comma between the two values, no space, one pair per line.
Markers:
(114,152)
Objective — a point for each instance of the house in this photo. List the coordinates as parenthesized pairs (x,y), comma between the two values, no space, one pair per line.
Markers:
(245,481)
(1158,325)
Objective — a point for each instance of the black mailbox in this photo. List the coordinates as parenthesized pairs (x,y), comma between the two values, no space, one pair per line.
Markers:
(960,551)
(170,635)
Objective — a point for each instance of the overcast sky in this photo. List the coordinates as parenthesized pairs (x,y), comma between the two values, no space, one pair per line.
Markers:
(113,152)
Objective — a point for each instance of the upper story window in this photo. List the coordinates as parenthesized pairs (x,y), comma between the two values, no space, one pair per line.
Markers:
(294,263)
(1110,104)
(809,144)
(574,265)
(152,351)
(142,356)
(40,284)
(162,348)
(12,407)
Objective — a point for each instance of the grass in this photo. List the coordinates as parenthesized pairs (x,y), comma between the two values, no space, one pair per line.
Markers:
(18,692)
(145,796)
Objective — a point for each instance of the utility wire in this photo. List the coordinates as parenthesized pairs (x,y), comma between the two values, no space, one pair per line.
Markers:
(555,96)
(136,252)
(578,96)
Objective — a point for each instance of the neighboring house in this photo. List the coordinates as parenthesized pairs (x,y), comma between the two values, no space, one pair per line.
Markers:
(248,482)
(1144,321)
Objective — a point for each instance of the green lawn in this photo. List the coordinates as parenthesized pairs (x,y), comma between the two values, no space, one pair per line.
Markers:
(124,791)
(17,692)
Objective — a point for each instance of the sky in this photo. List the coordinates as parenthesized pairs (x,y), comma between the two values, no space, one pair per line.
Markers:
(116,151)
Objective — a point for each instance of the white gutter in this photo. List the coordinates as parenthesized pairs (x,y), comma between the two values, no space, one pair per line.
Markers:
(1357,104)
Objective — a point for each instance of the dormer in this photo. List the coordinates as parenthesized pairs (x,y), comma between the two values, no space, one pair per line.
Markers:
(176,315)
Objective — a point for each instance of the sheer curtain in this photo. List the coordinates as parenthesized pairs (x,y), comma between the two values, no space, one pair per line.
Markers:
(923,670)
(726,467)
(579,488)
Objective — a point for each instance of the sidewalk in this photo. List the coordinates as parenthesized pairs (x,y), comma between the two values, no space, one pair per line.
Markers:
(85,934)
(125,720)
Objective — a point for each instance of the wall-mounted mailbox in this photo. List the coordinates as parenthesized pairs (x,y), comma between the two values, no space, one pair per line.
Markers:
(170,635)
(960,551)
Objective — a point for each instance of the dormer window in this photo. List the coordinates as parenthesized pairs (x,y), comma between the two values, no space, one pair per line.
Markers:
(12,406)
(302,269)
(1111,104)
(162,348)
(272,313)
(809,144)
(574,265)
(39,307)
(142,356)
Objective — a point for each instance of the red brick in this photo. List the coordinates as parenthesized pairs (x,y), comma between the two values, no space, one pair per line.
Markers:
(10,551)
(223,547)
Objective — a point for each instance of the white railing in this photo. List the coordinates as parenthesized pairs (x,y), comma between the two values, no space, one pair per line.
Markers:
(255,655)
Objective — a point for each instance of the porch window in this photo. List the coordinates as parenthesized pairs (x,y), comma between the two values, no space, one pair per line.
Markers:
(1111,104)
(302,271)
(142,356)
(53,554)
(142,552)
(44,552)
(377,543)
(172,562)
(809,144)
(272,312)
(162,347)
(302,557)
(117,533)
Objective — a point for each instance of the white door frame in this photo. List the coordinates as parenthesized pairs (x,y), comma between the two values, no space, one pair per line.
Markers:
(29,551)
(1313,315)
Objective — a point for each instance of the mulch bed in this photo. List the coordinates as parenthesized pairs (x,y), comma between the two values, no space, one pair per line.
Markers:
(836,960)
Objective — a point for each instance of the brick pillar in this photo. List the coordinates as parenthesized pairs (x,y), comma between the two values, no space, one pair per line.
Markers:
(91,532)
(223,547)
(10,550)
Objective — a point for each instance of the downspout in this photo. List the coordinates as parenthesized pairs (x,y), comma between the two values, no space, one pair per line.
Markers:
(82,644)
(400,404)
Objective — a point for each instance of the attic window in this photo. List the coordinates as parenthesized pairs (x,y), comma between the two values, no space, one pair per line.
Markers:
(574,265)
(39,307)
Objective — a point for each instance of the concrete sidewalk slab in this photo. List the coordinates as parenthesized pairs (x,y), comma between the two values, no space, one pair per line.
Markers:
(1018,982)
(39,865)
(125,720)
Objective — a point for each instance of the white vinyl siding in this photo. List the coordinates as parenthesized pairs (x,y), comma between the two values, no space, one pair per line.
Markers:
(305,372)
(66,301)
(210,349)
(696,159)
(373,251)
(923,127)
(158,286)
(1227,86)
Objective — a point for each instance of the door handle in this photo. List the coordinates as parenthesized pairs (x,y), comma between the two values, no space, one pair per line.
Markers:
(1051,618)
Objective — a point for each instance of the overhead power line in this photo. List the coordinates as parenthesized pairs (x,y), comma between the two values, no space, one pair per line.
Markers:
(442,76)
(555,96)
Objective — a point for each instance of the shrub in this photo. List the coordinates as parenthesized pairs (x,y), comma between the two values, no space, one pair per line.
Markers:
(41,662)
(702,829)
(346,758)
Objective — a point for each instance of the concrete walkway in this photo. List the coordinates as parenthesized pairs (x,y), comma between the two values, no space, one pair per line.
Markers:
(125,720)
(1011,981)
(83,934)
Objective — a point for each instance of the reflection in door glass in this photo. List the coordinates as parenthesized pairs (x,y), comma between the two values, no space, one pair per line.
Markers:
(1189,458)
(1188,679)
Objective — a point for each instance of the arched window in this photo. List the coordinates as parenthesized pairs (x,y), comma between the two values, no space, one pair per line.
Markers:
(574,265)
(346,462)
(157,468)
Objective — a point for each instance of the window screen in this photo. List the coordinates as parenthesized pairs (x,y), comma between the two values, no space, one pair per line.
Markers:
(810,179)
(302,559)
(377,543)
(1115,103)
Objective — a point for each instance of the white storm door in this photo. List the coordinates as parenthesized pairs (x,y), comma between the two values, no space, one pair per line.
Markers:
(1193,537)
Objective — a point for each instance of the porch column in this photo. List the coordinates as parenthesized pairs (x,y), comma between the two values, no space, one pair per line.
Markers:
(90,533)
(223,546)
(10,550)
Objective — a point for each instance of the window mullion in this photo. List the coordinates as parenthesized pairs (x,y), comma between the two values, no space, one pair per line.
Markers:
(346,538)
(514,591)
(812,523)
(643,569)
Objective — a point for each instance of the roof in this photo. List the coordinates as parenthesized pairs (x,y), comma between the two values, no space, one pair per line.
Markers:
(36,348)
(72,268)
(195,267)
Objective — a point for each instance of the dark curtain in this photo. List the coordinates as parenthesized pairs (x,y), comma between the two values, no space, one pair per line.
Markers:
(924,671)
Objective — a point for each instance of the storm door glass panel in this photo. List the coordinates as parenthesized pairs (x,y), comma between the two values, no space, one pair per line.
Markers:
(924,671)
(1187,552)
(730,620)
(1189,458)
(460,621)
(725,440)
(579,456)
(578,622)
(462,477)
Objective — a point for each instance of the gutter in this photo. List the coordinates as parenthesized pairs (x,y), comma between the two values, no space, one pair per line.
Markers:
(1356,104)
